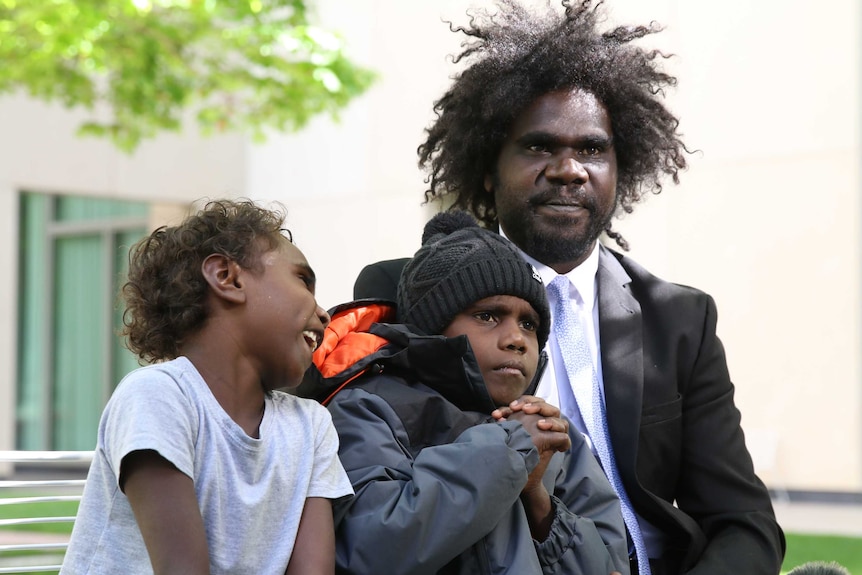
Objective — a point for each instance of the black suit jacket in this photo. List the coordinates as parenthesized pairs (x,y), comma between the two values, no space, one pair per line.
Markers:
(673,423)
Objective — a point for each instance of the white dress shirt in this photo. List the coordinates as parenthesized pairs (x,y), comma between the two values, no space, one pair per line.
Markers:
(584,301)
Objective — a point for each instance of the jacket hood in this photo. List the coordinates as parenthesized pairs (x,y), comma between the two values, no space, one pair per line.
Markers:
(359,341)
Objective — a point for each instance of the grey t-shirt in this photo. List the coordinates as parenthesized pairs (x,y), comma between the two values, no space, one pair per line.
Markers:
(251,491)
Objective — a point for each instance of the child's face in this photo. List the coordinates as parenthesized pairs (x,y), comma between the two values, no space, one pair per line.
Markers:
(502,333)
(283,321)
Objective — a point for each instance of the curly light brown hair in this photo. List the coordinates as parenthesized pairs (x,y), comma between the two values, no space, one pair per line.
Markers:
(166,291)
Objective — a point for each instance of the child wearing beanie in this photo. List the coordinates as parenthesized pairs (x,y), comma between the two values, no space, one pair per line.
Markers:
(456,468)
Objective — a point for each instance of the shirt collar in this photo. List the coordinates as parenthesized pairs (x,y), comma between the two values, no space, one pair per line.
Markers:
(583,277)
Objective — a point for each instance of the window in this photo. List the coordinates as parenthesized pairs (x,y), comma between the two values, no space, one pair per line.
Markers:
(72,260)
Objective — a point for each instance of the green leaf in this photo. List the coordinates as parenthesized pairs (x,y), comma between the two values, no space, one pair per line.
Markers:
(246,65)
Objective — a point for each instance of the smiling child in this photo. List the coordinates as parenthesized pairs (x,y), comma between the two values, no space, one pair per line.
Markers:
(202,466)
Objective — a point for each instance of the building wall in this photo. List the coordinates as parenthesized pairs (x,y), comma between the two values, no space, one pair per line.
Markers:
(40,153)
(766,219)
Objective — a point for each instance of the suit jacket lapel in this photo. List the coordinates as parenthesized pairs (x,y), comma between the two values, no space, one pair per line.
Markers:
(621,335)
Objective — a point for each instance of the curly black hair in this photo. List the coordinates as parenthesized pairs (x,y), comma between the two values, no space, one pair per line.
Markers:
(166,291)
(516,56)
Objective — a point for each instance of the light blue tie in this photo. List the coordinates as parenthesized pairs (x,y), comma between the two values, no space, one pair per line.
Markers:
(588,397)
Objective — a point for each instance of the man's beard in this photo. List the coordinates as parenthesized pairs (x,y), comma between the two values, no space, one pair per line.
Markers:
(551,247)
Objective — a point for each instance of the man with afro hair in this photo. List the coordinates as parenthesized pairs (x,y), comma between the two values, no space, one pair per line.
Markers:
(553,127)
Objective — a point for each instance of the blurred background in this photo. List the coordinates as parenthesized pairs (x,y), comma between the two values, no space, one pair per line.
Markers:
(766,219)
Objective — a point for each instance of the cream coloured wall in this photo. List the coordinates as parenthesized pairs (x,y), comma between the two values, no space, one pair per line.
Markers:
(766,219)
(8,299)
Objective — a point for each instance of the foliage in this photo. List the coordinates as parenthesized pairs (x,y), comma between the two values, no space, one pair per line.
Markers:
(246,65)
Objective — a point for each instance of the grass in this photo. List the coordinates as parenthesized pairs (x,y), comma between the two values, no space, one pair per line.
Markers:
(847,551)
(49,509)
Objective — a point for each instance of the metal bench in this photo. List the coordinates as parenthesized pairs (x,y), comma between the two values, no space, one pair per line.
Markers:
(30,499)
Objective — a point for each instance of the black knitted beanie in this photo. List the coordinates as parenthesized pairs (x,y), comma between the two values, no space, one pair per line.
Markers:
(460,263)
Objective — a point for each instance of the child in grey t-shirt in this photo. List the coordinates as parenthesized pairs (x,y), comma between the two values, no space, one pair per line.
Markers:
(202,465)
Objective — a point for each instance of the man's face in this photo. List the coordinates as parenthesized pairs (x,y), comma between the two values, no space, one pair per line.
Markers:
(502,333)
(556,178)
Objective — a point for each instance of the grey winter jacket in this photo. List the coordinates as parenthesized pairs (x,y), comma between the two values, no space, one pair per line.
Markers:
(438,482)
